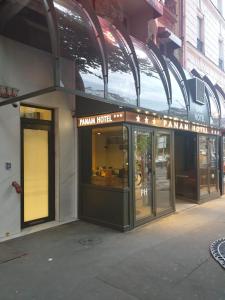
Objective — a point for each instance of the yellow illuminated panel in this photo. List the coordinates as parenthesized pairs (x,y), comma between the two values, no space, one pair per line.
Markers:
(35,113)
(35,174)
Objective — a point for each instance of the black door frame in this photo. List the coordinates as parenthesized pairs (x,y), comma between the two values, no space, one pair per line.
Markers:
(48,126)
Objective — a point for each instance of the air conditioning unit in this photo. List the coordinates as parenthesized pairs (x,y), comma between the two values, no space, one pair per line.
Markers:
(197,89)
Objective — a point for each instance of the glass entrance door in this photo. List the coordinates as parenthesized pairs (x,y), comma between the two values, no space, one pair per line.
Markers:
(213,165)
(208,165)
(163,172)
(143,173)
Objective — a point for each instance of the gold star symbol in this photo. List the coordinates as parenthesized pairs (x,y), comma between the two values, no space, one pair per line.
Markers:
(138,119)
(146,120)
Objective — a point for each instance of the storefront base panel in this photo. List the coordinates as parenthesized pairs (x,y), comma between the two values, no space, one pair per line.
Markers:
(106,206)
(106,224)
(154,218)
(207,198)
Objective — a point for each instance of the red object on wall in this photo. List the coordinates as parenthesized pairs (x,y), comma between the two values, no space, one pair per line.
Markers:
(17,187)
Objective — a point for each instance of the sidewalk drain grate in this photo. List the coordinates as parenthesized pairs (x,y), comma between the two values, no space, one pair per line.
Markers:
(90,241)
(217,249)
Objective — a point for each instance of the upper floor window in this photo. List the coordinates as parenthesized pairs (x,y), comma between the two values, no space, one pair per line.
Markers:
(200,42)
(221,55)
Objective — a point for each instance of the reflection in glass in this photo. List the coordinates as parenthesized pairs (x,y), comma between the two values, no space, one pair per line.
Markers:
(143,173)
(82,59)
(37,113)
(224,162)
(163,172)
(213,159)
(178,105)
(215,112)
(109,157)
(25,46)
(121,84)
(153,95)
(203,164)
(222,106)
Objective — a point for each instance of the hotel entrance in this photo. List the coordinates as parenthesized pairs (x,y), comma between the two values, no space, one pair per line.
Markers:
(137,167)
(125,173)
(152,173)
(37,176)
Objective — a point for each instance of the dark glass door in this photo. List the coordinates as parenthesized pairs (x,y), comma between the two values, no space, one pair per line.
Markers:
(163,172)
(143,173)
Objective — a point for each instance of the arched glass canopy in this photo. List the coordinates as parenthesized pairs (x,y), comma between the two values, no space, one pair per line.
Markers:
(152,90)
(80,51)
(121,82)
(221,97)
(26,47)
(213,102)
(179,94)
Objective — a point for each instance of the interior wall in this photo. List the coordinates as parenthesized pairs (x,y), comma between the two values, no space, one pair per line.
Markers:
(24,72)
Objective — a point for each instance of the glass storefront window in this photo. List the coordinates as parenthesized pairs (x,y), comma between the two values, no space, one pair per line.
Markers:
(213,159)
(163,172)
(81,62)
(224,162)
(203,165)
(110,157)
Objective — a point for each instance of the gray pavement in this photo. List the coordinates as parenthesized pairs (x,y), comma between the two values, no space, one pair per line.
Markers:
(167,259)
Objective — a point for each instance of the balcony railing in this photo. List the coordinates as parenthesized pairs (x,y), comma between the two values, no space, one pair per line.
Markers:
(200,45)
